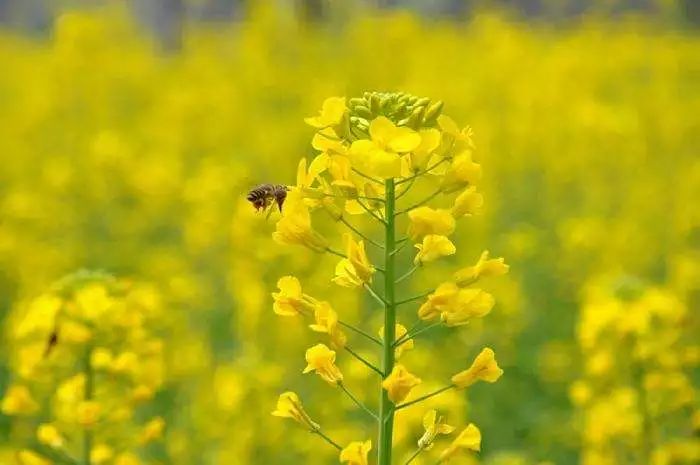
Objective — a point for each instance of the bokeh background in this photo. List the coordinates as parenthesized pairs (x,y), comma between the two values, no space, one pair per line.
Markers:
(131,132)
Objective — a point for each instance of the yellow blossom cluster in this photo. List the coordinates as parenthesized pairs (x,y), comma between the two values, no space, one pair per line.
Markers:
(377,153)
(636,396)
(87,361)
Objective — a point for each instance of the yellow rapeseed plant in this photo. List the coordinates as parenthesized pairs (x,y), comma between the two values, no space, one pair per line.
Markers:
(375,151)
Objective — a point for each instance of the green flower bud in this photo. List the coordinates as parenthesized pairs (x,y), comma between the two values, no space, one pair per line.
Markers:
(433,112)
(363,111)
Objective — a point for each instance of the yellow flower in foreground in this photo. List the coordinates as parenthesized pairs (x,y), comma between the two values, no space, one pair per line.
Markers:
(434,426)
(468,439)
(418,158)
(321,359)
(356,453)
(289,406)
(468,304)
(432,248)
(294,227)
(305,178)
(486,267)
(456,306)
(327,322)
(399,383)
(28,457)
(88,413)
(399,333)
(381,154)
(463,171)
(18,401)
(426,220)
(332,112)
(468,203)
(289,301)
(461,137)
(356,269)
(49,435)
(484,368)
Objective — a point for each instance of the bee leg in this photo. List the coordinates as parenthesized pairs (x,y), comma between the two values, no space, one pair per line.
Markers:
(269,212)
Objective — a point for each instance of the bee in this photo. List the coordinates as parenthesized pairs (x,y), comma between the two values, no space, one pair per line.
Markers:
(51,343)
(262,196)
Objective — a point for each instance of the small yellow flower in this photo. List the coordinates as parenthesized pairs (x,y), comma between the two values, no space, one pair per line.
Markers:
(484,368)
(399,383)
(289,301)
(443,296)
(332,113)
(289,406)
(468,304)
(432,248)
(462,138)
(142,393)
(101,358)
(484,268)
(434,426)
(294,227)
(93,301)
(456,306)
(126,363)
(74,332)
(152,430)
(88,413)
(381,154)
(49,435)
(327,322)
(356,453)
(18,401)
(468,203)
(101,453)
(399,332)
(28,457)
(356,269)
(462,172)
(321,359)
(419,157)
(426,220)
(305,178)
(468,439)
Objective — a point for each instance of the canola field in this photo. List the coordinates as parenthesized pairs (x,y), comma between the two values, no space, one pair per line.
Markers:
(149,314)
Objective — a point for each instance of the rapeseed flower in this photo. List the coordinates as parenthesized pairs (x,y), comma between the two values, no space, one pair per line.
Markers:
(483,368)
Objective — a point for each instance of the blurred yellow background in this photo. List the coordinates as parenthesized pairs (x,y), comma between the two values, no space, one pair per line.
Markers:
(132,154)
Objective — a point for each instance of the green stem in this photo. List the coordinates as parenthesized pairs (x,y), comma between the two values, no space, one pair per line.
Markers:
(364,361)
(359,233)
(380,300)
(326,438)
(360,332)
(415,454)
(357,401)
(413,334)
(407,274)
(414,298)
(421,203)
(422,398)
(386,407)
(372,214)
(88,395)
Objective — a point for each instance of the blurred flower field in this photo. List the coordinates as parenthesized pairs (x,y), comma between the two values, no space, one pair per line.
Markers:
(136,164)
